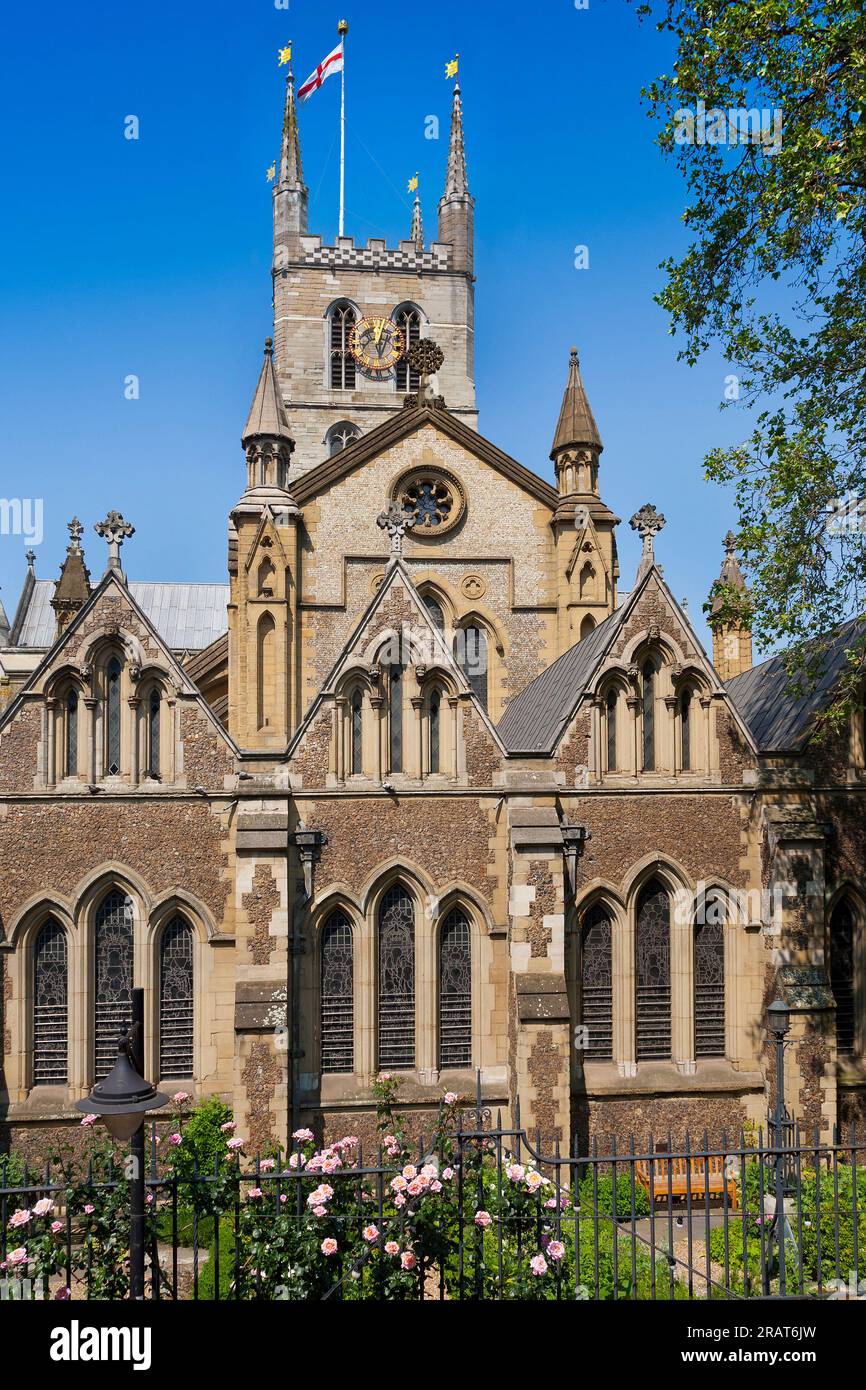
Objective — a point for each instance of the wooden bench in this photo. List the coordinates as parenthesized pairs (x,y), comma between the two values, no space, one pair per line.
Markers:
(681,1177)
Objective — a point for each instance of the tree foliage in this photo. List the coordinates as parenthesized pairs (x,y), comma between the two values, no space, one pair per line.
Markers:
(775,276)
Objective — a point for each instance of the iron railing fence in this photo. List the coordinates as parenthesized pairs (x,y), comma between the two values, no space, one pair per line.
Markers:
(651,1221)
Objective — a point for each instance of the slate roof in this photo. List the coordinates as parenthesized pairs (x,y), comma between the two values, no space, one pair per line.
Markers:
(534,718)
(188,617)
(780,722)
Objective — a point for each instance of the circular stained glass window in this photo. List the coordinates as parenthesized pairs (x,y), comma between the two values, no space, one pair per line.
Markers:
(433,498)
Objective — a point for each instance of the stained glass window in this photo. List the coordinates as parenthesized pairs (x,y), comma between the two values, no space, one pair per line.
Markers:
(342,361)
(436,611)
(396,719)
(473,660)
(596,984)
(611,730)
(397,980)
(709,989)
(357,732)
(410,322)
(112,718)
(50,1006)
(455,991)
(653,965)
(113,943)
(686,728)
(649,746)
(337,1018)
(176,1001)
(153,721)
(435,710)
(72,733)
(842,975)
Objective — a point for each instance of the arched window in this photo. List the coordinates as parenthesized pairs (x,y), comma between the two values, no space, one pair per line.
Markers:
(397,980)
(267,669)
(154,712)
(710,984)
(113,952)
(71,740)
(596,984)
(686,729)
(435,609)
(337,1016)
(176,1001)
(112,717)
(653,973)
(455,991)
(267,578)
(610,705)
(649,719)
(410,321)
(435,708)
(340,436)
(587,626)
(342,361)
(357,732)
(50,1006)
(842,976)
(395,719)
(587,582)
(472,658)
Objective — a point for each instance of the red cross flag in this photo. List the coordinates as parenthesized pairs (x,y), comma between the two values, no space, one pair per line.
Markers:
(330,65)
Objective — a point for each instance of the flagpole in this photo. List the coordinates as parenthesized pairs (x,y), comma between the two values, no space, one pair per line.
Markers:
(342,30)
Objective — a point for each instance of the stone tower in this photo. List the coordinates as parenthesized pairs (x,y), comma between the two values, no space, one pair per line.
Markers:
(262,567)
(587,567)
(320,290)
(72,589)
(732,640)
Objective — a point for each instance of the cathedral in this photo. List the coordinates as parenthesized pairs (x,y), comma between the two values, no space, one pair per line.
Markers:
(427,786)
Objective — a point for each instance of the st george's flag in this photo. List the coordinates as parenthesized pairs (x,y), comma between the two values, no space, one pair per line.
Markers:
(330,65)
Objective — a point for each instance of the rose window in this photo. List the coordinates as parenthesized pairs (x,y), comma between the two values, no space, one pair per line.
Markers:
(434,500)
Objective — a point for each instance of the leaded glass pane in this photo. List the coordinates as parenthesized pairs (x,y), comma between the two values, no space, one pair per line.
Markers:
(686,728)
(357,731)
(473,660)
(342,361)
(154,712)
(396,980)
(435,710)
(653,995)
(455,991)
(409,320)
(338,1047)
(649,745)
(396,719)
(113,942)
(842,978)
(596,985)
(50,1006)
(112,719)
(709,989)
(611,731)
(176,1001)
(72,734)
(436,611)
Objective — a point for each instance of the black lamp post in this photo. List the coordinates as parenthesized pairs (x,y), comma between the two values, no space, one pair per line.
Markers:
(778,1023)
(122,1100)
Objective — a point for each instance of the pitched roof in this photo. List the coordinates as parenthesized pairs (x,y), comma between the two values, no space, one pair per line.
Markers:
(780,720)
(267,413)
(576,421)
(188,617)
(534,718)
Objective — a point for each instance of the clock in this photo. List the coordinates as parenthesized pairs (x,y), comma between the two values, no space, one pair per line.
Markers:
(377,345)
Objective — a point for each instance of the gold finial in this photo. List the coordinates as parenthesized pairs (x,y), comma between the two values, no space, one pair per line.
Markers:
(343,28)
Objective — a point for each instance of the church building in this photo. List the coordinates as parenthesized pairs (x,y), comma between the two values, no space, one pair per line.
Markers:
(427,786)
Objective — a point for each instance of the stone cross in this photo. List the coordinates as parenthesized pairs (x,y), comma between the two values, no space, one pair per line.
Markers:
(396,522)
(647,522)
(115,531)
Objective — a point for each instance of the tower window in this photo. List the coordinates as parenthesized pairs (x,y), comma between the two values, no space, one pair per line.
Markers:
(649,742)
(611,730)
(396,719)
(455,991)
(686,729)
(72,733)
(357,732)
(653,993)
(340,436)
(176,1001)
(709,989)
(50,1006)
(113,941)
(435,711)
(436,611)
(342,361)
(596,985)
(337,1008)
(409,320)
(396,980)
(154,711)
(112,718)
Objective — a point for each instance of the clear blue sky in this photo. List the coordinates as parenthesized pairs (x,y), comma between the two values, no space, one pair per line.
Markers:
(152,256)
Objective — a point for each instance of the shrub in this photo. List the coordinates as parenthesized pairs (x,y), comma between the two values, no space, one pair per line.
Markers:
(600,1191)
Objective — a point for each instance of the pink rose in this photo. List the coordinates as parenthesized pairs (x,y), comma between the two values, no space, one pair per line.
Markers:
(329,1246)
(407,1260)
(398,1183)
(556,1249)
(410,1171)
(371,1233)
(399,1200)
(21,1217)
(44,1207)
(451,1098)
(17,1257)
(447,1174)
(435,1187)
(415,1188)
(175,1139)
(56,1227)
(89,1209)
(254,1193)
(385,1076)
(320,1211)
(267,1165)
(538,1265)
(88,1121)
(515,1171)
(228,1127)
(62,1294)
(429,1171)
(303,1136)
(483,1219)
(392,1248)
(234,1144)
(180,1097)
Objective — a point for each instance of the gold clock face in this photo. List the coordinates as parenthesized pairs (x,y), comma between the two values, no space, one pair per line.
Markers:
(377,345)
